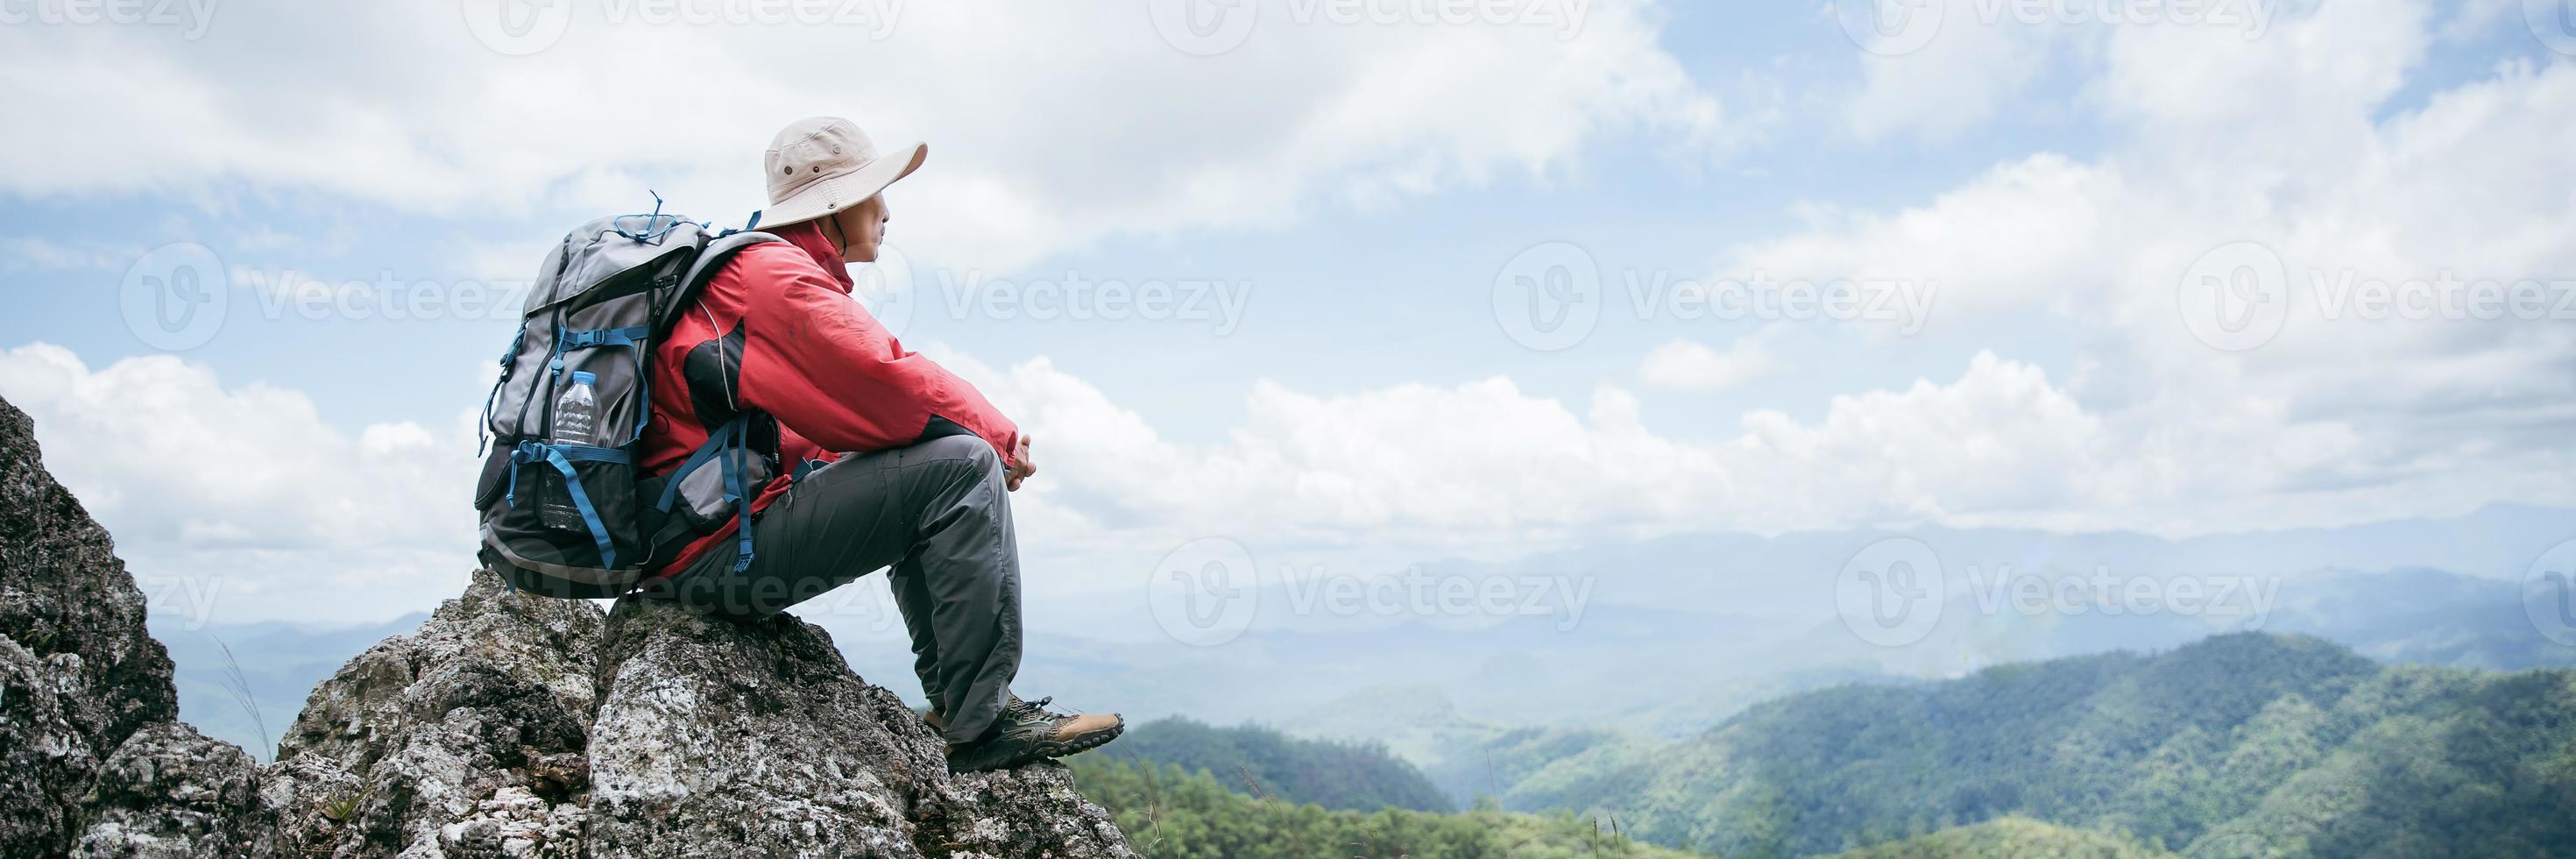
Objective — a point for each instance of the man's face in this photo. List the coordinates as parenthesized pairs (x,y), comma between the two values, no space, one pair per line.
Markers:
(861,229)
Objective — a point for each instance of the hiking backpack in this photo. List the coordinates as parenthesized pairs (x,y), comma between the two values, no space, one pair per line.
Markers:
(564,512)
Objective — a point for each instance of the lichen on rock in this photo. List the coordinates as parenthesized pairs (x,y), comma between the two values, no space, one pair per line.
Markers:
(171,792)
(78,673)
(755,739)
(507,725)
(436,743)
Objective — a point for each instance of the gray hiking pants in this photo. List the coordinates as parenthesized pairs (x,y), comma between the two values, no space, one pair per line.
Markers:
(937,513)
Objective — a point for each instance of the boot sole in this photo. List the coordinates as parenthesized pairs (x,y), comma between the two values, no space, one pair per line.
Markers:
(1051,751)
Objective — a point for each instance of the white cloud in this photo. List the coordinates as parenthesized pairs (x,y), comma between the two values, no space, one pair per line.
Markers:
(1051,124)
(1945,67)
(1443,468)
(248,494)
(1957,80)
(2287,141)
(1689,365)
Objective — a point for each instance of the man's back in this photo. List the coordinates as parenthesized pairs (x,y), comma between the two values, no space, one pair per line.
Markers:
(775,332)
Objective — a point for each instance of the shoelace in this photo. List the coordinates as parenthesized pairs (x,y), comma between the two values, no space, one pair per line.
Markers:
(1036,709)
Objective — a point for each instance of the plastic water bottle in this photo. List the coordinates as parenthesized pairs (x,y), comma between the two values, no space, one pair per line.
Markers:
(576,422)
(577,411)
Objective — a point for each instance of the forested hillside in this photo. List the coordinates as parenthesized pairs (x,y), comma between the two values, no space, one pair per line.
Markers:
(1170,813)
(2240,744)
(2010,837)
(1334,775)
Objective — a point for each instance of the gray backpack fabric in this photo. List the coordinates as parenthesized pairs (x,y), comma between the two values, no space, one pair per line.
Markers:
(564,512)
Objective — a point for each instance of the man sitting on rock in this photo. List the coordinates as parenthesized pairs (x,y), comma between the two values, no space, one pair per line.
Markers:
(910,463)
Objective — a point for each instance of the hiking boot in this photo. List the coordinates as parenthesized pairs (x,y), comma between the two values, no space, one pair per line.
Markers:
(1028,732)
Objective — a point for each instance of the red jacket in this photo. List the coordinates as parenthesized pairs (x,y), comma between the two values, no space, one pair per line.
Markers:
(777,332)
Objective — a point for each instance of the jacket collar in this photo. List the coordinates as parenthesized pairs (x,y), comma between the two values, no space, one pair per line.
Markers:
(808,236)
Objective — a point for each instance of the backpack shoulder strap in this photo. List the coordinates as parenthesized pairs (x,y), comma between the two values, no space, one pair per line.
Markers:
(710,260)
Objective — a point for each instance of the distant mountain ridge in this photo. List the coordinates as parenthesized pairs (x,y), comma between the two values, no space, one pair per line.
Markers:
(1340,776)
(2243,744)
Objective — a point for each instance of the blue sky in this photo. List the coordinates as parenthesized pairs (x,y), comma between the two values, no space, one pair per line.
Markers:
(2051,185)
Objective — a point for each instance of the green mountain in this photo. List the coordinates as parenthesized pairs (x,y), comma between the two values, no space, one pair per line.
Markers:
(1171,813)
(2246,744)
(1342,776)
(2010,836)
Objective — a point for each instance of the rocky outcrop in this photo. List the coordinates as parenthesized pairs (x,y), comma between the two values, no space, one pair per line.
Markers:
(464,738)
(513,725)
(724,739)
(78,674)
(506,726)
(171,792)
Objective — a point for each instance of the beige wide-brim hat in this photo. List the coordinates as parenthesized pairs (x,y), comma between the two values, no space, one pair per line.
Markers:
(825,164)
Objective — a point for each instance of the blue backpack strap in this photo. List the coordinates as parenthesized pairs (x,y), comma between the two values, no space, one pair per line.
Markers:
(627,336)
(719,448)
(562,457)
(715,444)
(740,495)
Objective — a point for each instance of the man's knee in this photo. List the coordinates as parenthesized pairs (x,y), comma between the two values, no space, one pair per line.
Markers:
(971,452)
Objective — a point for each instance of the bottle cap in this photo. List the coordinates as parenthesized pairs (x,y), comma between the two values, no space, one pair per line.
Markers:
(583,378)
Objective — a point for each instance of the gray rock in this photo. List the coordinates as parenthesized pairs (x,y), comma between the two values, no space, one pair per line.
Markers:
(465,738)
(78,673)
(506,726)
(755,739)
(171,792)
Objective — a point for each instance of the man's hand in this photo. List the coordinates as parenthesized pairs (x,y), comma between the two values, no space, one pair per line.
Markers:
(1021,466)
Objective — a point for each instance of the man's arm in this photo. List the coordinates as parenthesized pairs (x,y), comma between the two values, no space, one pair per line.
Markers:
(819,363)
